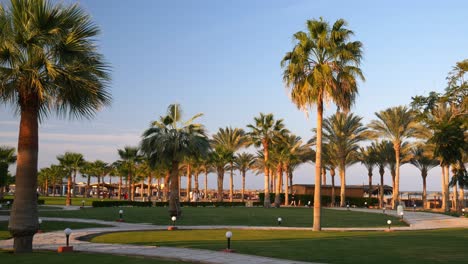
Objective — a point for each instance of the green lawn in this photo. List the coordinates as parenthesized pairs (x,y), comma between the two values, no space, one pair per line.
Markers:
(48,226)
(76,258)
(439,246)
(60,200)
(256,216)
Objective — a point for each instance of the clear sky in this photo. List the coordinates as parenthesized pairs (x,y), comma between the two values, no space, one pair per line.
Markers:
(222,58)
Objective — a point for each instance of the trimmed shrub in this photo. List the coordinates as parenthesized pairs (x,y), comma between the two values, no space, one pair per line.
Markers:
(121,203)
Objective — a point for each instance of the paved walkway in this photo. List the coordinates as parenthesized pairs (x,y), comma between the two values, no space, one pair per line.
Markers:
(52,240)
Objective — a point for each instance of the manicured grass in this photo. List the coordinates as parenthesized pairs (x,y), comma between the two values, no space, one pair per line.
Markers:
(256,216)
(60,200)
(439,246)
(48,226)
(76,258)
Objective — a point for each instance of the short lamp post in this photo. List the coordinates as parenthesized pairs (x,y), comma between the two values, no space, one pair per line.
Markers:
(401,215)
(173,227)
(279,220)
(365,204)
(121,216)
(414,207)
(82,203)
(463,211)
(39,221)
(8,204)
(389,223)
(228,237)
(347,207)
(66,248)
(383,208)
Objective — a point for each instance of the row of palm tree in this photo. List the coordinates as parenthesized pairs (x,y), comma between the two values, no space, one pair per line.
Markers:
(7,158)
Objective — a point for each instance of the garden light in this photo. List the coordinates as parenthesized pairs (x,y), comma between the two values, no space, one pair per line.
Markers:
(401,215)
(279,220)
(228,236)
(66,248)
(121,215)
(347,206)
(389,223)
(414,208)
(68,232)
(463,211)
(39,221)
(82,203)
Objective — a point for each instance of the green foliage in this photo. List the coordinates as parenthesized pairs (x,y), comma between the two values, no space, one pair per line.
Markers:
(305,198)
(121,203)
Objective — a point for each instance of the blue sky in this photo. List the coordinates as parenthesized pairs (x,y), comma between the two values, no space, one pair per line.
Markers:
(222,58)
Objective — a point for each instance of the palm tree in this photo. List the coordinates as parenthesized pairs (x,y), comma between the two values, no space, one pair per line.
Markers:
(244,162)
(367,157)
(50,64)
(343,133)
(384,154)
(262,132)
(170,140)
(7,157)
(87,172)
(130,158)
(100,169)
(231,140)
(72,162)
(396,124)
(323,65)
(421,159)
(219,158)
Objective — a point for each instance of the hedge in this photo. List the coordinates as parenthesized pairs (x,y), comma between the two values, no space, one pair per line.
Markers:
(121,203)
(326,200)
(4,201)
(208,204)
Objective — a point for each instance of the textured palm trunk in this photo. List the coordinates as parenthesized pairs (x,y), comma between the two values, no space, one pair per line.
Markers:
(286,191)
(243,184)
(189,182)
(424,194)
(279,175)
(324,176)
(120,188)
(99,186)
(24,216)
(166,185)
(142,188)
(180,180)
(444,203)
(369,173)
(446,187)
(195,178)
(47,187)
(231,184)
(381,191)
(174,206)
(343,185)
(462,198)
(455,198)
(206,185)
(132,186)
(150,179)
(74,183)
(127,184)
(68,201)
(396,188)
(220,184)
(333,196)
(88,182)
(266,201)
(393,173)
(318,166)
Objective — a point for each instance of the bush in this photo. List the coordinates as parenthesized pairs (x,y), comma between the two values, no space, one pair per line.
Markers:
(4,201)
(207,204)
(326,200)
(121,203)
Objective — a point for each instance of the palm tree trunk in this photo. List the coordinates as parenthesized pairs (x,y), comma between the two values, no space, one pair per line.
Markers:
(231,184)
(462,197)
(127,184)
(279,172)
(318,166)
(74,183)
(286,192)
(343,185)
(166,185)
(142,188)
(46,187)
(98,186)
(324,176)
(243,184)
(68,201)
(370,182)
(23,219)
(195,178)
(396,188)
(381,192)
(180,180)
(174,208)
(444,202)
(447,190)
(220,184)
(332,176)
(120,187)
(189,181)
(206,184)
(424,194)
(266,201)
(150,179)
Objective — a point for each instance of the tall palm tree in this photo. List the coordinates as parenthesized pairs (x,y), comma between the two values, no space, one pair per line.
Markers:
(100,169)
(230,139)
(171,140)
(396,124)
(87,172)
(49,63)
(323,65)
(384,154)
(219,158)
(130,158)
(343,132)
(7,157)
(262,132)
(367,157)
(422,159)
(72,162)
(244,162)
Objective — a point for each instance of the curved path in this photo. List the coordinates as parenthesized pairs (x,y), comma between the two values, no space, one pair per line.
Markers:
(52,240)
